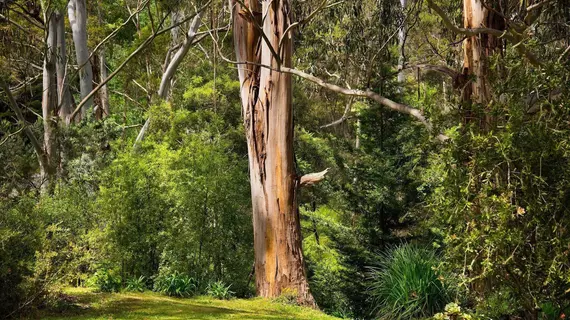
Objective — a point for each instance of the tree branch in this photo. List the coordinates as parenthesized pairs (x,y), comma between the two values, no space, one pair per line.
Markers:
(312,178)
(343,118)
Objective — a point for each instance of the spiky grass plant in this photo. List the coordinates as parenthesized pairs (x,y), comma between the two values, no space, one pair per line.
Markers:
(407,285)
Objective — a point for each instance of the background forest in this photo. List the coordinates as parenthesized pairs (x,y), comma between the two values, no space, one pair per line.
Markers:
(444,125)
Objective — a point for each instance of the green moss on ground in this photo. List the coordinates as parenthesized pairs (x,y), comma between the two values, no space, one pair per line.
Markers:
(149,305)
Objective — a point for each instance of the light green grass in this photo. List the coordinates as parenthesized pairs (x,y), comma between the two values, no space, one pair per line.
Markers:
(148,305)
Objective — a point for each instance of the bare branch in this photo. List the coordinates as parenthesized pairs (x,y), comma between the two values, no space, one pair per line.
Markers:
(537,5)
(399,107)
(563,54)
(402,108)
(343,118)
(312,178)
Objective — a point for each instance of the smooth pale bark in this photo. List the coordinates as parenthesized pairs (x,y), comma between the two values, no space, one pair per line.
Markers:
(168,75)
(268,119)
(49,106)
(77,11)
(65,99)
(103,93)
(402,43)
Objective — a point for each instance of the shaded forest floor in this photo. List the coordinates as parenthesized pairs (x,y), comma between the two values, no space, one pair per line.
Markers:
(149,305)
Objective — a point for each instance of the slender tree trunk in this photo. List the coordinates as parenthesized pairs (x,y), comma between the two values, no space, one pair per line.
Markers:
(268,118)
(402,43)
(65,99)
(168,75)
(49,105)
(103,93)
(77,11)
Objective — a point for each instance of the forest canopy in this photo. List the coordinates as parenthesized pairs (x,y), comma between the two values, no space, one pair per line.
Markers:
(374,159)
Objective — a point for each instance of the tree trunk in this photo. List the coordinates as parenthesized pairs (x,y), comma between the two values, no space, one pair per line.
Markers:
(170,70)
(49,106)
(268,119)
(103,93)
(476,50)
(402,43)
(65,99)
(77,11)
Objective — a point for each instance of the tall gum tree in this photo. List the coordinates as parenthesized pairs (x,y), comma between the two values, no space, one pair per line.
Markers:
(268,119)
(65,99)
(77,11)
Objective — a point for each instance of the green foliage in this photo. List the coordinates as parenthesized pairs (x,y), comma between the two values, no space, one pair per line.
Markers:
(20,237)
(327,245)
(175,285)
(452,312)
(219,290)
(407,284)
(136,284)
(105,280)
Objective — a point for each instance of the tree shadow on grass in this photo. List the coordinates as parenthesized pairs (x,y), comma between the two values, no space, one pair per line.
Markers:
(148,306)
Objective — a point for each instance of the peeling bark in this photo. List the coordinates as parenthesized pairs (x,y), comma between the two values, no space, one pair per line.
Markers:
(476,51)
(268,119)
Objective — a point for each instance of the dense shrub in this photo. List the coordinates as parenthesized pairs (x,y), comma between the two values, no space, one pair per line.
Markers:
(136,284)
(176,285)
(105,280)
(20,237)
(219,290)
(407,284)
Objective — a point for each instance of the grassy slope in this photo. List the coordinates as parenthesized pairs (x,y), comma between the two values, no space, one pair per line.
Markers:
(153,306)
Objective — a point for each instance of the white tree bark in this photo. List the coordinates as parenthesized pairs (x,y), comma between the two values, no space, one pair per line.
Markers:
(49,104)
(77,11)
(178,57)
(65,99)
(103,93)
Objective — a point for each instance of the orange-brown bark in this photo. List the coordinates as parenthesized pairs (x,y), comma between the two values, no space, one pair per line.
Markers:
(476,51)
(268,119)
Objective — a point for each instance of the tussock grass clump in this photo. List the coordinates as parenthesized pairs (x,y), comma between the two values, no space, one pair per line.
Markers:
(407,284)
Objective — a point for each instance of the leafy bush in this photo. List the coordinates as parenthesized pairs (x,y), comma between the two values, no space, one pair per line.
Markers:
(407,285)
(219,290)
(105,280)
(20,237)
(176,284)
(136,284)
